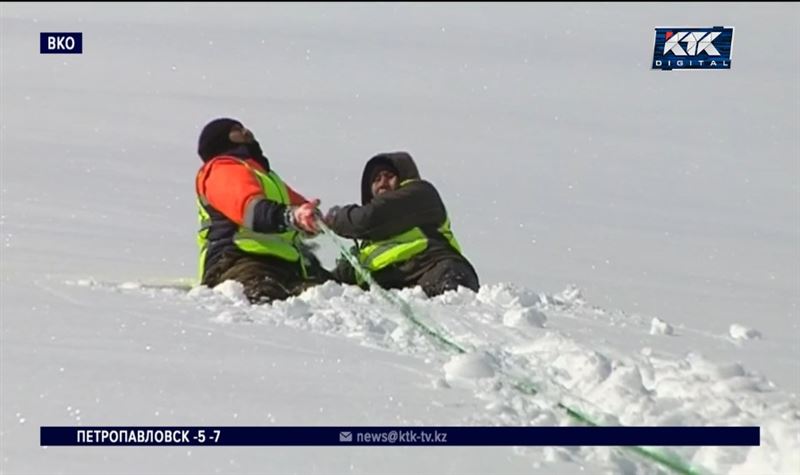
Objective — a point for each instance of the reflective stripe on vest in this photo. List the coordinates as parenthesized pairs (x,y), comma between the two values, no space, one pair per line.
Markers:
(380,254)
(202,237)
(280,245)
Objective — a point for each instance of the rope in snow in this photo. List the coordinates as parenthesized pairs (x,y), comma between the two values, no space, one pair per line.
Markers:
(405,307)
(670,461)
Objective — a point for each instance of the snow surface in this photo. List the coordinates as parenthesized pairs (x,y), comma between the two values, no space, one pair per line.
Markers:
(591,193)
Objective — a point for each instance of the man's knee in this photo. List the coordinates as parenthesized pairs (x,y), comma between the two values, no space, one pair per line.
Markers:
(265,289)
(449,275)
(262,282)
(455,279)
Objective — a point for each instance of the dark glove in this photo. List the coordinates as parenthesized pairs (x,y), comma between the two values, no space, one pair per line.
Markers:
(330,216)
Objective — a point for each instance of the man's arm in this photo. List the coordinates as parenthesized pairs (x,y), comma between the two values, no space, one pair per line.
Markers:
(231,188)
(391,213)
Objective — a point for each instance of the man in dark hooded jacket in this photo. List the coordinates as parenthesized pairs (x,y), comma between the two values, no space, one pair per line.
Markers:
(403,228)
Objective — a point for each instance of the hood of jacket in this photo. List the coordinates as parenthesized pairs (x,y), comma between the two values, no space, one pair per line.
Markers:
(400,162)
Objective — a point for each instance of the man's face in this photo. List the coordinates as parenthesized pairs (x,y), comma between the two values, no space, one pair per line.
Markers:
(385,180)
(240,134)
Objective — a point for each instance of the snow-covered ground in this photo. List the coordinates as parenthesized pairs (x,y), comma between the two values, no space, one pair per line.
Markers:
(637,232)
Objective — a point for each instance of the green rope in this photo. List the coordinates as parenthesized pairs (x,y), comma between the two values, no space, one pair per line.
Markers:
(673,462)
(405,308)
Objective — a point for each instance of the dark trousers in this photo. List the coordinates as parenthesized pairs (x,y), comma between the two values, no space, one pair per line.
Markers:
(447,275)
(265,279)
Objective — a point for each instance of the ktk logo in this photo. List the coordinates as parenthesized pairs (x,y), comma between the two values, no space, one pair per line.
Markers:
(686,47)
(696,43)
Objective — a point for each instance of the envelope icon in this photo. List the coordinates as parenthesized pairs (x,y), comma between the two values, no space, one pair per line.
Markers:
(345,436)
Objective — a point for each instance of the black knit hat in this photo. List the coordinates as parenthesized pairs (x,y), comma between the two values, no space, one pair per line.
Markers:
(214,138)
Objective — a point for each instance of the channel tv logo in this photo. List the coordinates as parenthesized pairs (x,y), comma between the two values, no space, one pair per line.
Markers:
(60,43)
(693,48)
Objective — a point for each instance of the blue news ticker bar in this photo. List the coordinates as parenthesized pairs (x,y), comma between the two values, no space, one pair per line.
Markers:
(484,436)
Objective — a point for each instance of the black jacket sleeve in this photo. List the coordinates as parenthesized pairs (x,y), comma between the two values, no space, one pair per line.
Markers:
(267,217)
(414,204)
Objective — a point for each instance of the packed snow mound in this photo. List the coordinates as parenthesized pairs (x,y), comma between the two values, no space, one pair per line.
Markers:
(524,317)
(502,328)
(660,327)
(741,332)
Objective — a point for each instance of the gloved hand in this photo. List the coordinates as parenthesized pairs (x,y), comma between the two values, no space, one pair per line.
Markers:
(303,218)
(331,215)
